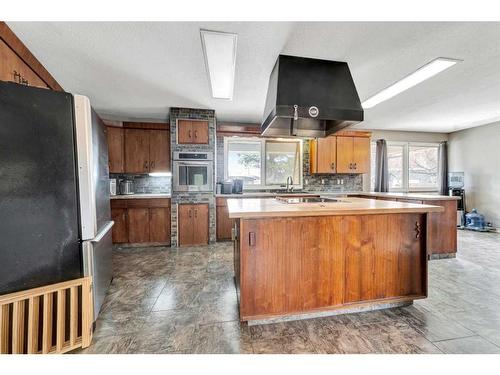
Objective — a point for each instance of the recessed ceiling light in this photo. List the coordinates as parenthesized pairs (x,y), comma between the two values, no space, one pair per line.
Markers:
(219,50)
(425,72)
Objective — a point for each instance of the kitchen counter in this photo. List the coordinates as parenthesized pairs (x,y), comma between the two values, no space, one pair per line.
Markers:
(346,255)
(141,196)
(257,207)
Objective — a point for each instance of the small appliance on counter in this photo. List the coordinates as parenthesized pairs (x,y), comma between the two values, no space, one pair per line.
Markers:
(112,186)
(126,187)
(227,187)
(237,186)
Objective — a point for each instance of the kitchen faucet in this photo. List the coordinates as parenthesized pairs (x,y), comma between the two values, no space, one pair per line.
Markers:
(289,184)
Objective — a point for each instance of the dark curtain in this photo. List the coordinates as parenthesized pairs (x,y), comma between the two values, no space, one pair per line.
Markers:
(443,168)
(381,167)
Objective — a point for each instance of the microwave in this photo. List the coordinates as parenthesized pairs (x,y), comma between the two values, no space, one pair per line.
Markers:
(193,171)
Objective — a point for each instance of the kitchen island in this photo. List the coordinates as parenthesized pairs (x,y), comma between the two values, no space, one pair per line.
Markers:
(309,257)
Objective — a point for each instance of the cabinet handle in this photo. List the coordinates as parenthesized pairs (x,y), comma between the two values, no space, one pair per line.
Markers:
(151,165)
(146,165)
(189,133)
(355,165)
(251,239)
(417,230)
(350,165)
(333,166)
(195,212)
(196,133)
(190,214)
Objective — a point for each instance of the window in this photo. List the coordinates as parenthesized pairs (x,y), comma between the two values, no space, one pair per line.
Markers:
(412,166)
(263,163)
(423,167)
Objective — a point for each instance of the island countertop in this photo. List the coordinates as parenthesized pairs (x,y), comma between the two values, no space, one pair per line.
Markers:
(261,207)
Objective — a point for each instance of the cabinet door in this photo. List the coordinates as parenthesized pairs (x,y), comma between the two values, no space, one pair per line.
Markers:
(159,224)
(327,151)
(11,63)
(224,224)
(115,149)
(345,155)
(159,151)
(200,132)
(184,132)
(119,232)
(200,224)
(136,151)
(138,225)
(185,224)
(361,154)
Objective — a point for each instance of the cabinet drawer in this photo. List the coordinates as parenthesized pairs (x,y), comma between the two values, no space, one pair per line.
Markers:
(140,203)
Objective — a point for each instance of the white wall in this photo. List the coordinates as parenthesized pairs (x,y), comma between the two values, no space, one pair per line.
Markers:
(476,152)
(399,136)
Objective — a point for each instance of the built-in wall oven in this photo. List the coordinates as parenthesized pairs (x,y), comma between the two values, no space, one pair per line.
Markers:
(193,171)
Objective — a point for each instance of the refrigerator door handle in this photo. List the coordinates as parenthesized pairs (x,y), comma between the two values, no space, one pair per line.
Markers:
(103,231)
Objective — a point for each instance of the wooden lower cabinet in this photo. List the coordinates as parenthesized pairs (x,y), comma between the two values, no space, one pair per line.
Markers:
(192,225)
(120,231)
(159,224)
(442,226)
(224,223)
(141,220)
(303,264)
(138,225)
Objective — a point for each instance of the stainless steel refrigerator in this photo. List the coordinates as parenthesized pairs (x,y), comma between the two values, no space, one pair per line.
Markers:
(54,192)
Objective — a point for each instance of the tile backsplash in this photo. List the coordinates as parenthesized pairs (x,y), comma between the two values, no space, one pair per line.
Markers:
(144,184)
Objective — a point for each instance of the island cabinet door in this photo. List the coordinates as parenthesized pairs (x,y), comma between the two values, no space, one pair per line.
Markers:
(290,265)
(389,258)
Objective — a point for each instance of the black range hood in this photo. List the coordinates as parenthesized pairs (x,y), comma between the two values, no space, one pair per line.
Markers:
(310,98)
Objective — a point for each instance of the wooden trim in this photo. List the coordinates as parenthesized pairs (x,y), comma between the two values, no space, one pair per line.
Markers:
(15,327)
(113,123)
(346,306)
(353,133)
(237,128)
(8,36)
(146,125)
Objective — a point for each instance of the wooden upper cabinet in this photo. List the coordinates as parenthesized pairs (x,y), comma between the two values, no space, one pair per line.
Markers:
(136,151)
(116,146)
(159,151)
(14,69)
(361,154)
(192,132)
(323,155)
(345,155)
(200,132)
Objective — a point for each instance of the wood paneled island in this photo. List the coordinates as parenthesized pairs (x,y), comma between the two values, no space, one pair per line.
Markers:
(298,258)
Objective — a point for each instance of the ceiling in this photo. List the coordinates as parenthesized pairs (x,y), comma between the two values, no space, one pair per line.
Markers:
(139,70)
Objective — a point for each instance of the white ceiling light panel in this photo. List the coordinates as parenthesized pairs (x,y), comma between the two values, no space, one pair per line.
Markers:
(219,50)
(425,72)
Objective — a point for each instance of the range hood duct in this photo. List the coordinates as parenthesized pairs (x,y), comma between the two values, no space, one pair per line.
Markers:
(310,98)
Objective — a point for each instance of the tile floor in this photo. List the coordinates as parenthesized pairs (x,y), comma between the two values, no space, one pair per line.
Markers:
(166,300)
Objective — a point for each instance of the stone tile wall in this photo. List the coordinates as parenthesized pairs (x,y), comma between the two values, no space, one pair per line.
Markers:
(192,197)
